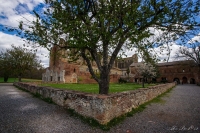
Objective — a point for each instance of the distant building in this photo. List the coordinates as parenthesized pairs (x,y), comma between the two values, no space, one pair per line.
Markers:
(185,72)
(62,70)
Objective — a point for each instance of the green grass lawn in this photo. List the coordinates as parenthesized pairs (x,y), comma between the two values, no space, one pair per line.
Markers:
(11,80)
(93,88)
(89,88)
(31,80)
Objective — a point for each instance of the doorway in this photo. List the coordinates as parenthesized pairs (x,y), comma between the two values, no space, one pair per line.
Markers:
(177,80)
(192,81)
(184,80)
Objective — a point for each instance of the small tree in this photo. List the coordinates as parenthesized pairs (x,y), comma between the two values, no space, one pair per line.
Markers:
(17,60)
(5,66)
(146,70)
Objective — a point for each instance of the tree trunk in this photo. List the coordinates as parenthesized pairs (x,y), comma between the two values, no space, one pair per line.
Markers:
(5,76)
(104,83)
(20,77)
(142,82)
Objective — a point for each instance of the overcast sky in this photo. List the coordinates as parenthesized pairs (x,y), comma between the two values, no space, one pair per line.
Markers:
(13,11)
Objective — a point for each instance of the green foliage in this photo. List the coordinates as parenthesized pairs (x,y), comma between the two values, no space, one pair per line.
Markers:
(97,74)
(30,80)
(120,80)
(102,30)
(12,80)
(17,60)
(164,81)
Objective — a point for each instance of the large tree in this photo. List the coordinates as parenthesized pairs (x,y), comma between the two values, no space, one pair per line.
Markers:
(17,59)
(5,66)
(99,30)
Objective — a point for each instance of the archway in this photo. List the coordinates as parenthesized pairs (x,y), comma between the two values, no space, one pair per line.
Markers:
(136,80)
(192,81)
(74,78)
(184,80)
(177,80)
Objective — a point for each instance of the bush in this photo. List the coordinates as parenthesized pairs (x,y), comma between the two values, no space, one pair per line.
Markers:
(120,80)
(5,79)
(164,81)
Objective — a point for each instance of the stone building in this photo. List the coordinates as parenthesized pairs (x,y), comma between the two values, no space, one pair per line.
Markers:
(62,70)
(180,71)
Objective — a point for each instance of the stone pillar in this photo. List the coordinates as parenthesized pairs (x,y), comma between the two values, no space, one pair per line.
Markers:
(51,75)
(62,76)
(47,75)
(43,77)
(56,76)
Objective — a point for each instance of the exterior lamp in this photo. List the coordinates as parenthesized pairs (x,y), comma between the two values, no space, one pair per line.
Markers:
(183,70)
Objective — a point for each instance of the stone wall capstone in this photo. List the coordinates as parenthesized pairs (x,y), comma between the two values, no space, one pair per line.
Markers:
(102,108)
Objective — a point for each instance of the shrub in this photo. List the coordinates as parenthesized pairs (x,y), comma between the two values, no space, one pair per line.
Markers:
(120,80)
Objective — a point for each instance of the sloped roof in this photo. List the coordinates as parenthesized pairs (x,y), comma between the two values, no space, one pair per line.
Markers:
(185,62)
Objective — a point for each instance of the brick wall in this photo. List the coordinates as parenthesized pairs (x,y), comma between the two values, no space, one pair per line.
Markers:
(102,108)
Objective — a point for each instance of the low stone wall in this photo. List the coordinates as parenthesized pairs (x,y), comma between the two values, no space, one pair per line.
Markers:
(102,108)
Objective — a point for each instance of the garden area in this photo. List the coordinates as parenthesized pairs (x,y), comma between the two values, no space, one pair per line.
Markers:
(93,88)
(88,88)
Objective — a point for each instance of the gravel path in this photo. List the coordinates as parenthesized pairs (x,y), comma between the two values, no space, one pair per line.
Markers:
(20,112)
(179,112)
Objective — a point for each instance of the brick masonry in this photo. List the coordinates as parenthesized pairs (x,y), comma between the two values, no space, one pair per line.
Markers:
(102,108)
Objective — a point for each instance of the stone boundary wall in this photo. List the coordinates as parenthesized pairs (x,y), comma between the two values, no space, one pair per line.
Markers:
(102,108)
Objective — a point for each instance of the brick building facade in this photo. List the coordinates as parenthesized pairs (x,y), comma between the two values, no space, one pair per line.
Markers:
(186,72)
(62,70)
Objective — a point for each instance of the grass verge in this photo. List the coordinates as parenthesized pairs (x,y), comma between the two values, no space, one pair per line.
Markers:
(93,88)
(37,95)
(12,80)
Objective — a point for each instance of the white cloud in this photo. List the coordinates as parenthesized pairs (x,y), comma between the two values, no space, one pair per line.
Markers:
(13,11)
(7,40)
(168,52)
(195,38)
